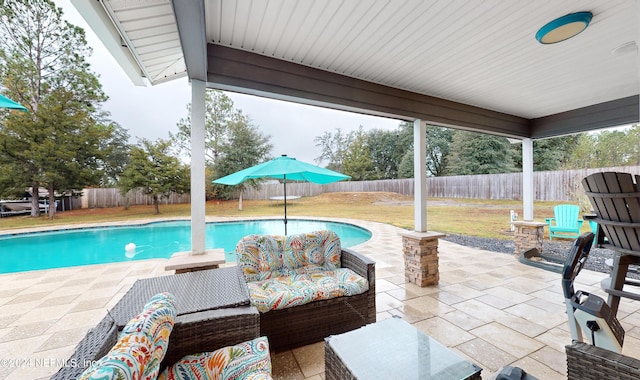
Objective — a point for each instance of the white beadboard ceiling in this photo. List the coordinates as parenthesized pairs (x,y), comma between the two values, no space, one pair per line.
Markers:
(481,53)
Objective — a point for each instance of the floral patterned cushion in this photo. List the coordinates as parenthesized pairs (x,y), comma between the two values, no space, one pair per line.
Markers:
(141,345)
(338,283)
(260,256)
(263,257)
(281,292)
(298,289)
(283,272)
(248,360)
(316,249)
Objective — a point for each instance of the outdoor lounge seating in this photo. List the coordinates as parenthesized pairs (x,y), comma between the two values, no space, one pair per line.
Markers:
(142,344)
(615,198)
(306,286)
(565,223)
(587,362)
(212,311)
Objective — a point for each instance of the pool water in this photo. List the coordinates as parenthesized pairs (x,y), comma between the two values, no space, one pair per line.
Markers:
(73,247)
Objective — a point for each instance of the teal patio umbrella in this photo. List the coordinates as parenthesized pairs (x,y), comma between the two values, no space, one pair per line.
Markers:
(8,103)
(284,168)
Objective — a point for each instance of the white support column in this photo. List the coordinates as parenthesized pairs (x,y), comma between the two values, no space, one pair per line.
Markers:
(198,185)
(527,179)
(420,175)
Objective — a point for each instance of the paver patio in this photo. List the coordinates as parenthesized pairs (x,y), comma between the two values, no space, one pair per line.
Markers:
(488,307)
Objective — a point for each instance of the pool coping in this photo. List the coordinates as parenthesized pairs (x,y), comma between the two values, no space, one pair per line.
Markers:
(142,222)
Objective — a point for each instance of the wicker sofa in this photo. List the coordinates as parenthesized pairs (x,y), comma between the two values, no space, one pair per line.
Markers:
(192,333)
(144,341)
(587,362)
(334,287)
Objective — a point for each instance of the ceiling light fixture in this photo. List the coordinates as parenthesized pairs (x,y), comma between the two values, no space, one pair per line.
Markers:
(564,27)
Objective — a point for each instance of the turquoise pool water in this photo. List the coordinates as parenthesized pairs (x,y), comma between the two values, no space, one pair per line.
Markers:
(73,247)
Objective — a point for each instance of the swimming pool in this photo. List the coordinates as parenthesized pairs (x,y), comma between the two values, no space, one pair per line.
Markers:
(100,245)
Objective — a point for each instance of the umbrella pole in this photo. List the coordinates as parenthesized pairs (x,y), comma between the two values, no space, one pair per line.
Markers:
(285,204)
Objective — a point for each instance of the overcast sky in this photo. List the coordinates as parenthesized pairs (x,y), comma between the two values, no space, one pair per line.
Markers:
(152,112)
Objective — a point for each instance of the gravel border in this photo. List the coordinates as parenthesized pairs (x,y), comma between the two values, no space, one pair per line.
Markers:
(558,248)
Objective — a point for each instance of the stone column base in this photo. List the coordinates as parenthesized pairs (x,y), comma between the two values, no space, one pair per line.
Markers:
(420,251)
(528,235)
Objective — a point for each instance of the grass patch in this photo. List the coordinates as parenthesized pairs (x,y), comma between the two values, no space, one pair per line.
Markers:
(473,217)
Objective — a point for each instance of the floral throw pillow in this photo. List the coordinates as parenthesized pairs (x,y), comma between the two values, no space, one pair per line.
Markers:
(312,249)
(141,345)
(248,360)
(260,256)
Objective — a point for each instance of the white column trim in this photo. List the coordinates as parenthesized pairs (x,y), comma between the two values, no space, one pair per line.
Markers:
(527,179)
(198,185)
(420,175)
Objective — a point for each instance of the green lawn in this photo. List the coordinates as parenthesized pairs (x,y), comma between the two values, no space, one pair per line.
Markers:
(474,217)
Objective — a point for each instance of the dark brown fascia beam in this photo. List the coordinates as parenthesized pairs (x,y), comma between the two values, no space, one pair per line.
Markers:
(191,26)
(246,72)
(608,114)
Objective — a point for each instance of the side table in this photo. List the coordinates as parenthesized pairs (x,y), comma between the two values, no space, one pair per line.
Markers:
(393,349)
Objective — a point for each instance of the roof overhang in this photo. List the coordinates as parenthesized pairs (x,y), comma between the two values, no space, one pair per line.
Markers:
(463,64)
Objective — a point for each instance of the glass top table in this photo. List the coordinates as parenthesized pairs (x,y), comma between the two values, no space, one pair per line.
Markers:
(393,349)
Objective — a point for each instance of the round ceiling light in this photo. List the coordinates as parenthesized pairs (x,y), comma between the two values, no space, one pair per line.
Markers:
(564,27)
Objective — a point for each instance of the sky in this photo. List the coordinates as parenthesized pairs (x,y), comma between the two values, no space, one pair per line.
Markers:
(154,111)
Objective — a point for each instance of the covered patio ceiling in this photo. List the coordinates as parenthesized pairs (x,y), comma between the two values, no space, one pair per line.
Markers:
(473,65)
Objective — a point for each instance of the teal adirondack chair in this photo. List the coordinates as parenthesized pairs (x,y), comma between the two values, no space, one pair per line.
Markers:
(566,223)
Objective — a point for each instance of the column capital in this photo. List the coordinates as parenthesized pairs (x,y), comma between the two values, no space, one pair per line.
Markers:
(421,235)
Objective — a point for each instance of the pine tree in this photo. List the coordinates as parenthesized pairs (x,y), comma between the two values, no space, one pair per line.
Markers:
(42,66)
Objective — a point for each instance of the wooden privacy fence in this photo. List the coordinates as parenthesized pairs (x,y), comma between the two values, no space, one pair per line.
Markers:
(110,197)
(562,185)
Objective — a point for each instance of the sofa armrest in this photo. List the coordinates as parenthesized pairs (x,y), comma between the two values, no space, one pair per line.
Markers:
(210,330)
(587,362)
(360,264)
(96,344)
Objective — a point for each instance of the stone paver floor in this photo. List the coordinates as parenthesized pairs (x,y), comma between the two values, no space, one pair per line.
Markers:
(488,307)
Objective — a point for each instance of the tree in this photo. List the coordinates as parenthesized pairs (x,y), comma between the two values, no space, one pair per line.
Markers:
(548,154)
(477,153)
(155,171)
(387,149)
(357,161)
(405,168)
(439,141)
(231,141)
(333,147)
(633,135)
(116,150)
(219,114)
(614,148)
(42,65)
(605,149)
(583,154)
(246,147)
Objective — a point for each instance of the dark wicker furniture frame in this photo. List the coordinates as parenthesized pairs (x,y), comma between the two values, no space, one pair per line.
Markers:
(310,323)
(337,369)
(205,322)
(587,362)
